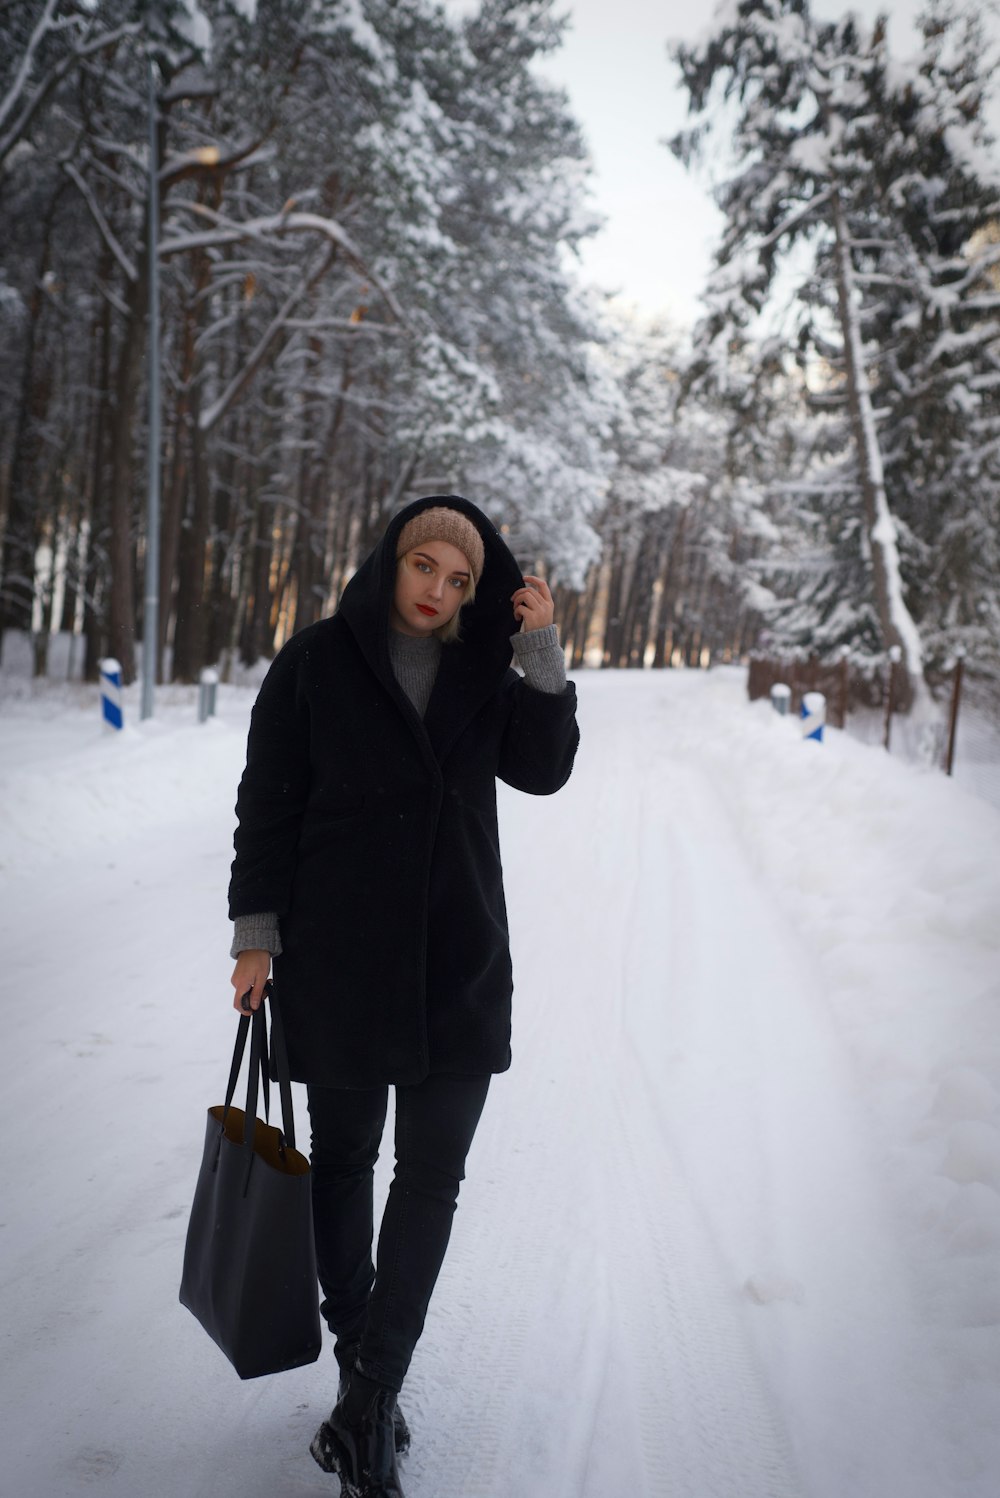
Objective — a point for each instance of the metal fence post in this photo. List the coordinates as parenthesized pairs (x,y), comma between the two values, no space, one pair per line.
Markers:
(844,686)
(956,697)
(895,656)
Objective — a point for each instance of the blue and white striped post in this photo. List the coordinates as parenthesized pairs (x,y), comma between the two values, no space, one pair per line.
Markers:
(813,715)
(111,693)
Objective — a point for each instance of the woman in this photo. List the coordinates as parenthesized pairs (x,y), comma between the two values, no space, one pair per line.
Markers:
(367,864)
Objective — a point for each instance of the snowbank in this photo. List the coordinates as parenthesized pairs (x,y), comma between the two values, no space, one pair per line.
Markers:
(732,1220)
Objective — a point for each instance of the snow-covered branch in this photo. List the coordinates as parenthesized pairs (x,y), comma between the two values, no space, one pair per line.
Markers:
(985,261)
(296,394)
(15,131)
(104,227)
(200,159)
(20,83)
(277,326)
(793,219)
(278,224)
(109,147)
(133,188)
(354,326)
(111,296)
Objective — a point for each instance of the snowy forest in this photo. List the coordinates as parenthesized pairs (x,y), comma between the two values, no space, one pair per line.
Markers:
(368,216)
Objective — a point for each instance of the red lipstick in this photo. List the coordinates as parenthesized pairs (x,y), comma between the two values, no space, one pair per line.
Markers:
(431,613)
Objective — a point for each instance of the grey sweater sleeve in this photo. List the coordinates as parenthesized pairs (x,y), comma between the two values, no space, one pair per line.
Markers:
(540,656)
(258,933)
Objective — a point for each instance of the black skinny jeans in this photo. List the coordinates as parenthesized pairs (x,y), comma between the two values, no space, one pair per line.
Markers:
(377,1317)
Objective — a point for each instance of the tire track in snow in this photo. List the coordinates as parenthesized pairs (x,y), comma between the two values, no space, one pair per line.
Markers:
(709,1409)
(585,1314)
(782,1174)
(706,1407)
(502,1412)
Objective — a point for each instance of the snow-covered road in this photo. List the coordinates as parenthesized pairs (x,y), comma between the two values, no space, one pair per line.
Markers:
(731,1221)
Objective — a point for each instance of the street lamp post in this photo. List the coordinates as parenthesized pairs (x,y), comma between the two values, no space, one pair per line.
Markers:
(151,616)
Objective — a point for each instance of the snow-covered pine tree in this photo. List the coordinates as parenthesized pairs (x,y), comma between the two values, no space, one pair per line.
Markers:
(932,306)
(641,579)
(685,519)
(365,207)
(58,63)
(814,105)
(500,389)
(461,174)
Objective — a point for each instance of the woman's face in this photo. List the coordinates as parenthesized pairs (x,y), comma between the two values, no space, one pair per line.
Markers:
(431,583)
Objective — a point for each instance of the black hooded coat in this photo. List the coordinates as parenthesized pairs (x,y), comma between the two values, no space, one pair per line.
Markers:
(373,833)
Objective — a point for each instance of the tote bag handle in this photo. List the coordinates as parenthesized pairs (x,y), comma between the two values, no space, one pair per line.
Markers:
(261,1068)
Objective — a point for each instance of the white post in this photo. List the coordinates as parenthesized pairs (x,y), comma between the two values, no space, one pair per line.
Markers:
(781,697)
(207,684)
(111,693)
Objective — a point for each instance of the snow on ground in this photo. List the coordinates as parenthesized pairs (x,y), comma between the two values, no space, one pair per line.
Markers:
(731,1223)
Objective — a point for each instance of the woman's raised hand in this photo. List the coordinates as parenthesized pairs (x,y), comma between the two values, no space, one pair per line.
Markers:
(249,977)
(534,605)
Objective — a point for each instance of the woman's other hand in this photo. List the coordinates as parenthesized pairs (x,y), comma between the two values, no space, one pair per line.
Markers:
(533,605)
(249,976)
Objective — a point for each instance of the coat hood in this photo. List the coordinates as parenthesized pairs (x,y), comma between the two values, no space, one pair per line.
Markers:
(484,651)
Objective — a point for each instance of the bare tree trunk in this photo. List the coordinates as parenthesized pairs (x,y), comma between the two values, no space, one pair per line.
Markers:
(170,521)
(94,564)
(256,639)
(121,609)
(895,620)
(616,588)
(23,525)
(82,491)
(175,484)
(567,602)
(347,518)
(699,591)
(309,561)
(639,604)
(220,600)
(585,616)
(189,627)
(642,628)
(664,643)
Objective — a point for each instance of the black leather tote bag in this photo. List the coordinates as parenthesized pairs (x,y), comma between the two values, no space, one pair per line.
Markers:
(250,1259)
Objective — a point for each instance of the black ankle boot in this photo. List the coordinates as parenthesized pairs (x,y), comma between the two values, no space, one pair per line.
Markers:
(357,1442)
(400,1429)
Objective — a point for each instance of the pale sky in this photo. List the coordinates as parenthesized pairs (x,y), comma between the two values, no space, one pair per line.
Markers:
(660,222)
(661,225)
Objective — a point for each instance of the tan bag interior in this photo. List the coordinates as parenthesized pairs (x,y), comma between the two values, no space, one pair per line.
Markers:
(266,1139)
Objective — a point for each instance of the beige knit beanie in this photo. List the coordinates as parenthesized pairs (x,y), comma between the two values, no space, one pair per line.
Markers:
(442,524)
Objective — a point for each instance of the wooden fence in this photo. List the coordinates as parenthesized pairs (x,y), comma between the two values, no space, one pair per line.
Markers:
(835,680)
(847,689)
